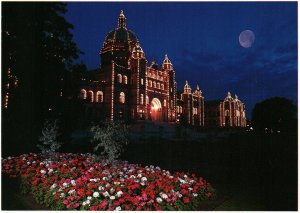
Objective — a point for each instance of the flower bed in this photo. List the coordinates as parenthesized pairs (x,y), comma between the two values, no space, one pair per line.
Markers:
(79,181)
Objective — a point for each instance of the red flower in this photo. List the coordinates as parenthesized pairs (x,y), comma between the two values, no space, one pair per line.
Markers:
(103,204)
(184,191)
(94,208)
(186,200)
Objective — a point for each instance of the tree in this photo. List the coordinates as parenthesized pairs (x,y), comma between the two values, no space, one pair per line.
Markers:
(38,49)
(275,114)
(111,137)
(49,138)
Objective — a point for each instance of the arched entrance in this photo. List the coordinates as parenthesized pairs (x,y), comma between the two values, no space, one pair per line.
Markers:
(155,110)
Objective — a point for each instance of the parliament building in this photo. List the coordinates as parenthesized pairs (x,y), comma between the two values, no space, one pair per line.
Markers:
(126,88)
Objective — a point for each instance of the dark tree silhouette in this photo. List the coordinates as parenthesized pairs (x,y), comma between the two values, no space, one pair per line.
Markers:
(275,114)
(38,50)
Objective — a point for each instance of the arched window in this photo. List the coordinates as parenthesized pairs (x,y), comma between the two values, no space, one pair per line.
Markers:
(162,86)
(226,112)
(124,79)
(158,85)
(150,83)
(147,99)
(119,77)
(146,82)
(91,96)
(165,102)
(99,96)
(142,81)
(122,98)
(142,99)
(154,84)
(83,94)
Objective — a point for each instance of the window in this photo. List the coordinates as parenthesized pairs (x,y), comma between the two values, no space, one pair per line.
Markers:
(124,79)
(150,83)
(119,77)
(162,86)
(91,96)
(142,81)
(226,112)
(83,94)
(146,82)
(158,85)
(147,99)
(122,98)
(99,96)
(154,84)
(142,99)
(165,103)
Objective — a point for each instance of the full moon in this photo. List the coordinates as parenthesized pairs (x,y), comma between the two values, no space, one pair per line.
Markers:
(246,38)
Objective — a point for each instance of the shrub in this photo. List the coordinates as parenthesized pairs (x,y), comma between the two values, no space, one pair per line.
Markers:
(49,137)
(111,137)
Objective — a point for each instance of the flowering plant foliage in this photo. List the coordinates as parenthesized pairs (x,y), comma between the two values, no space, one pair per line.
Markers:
(80,182)
(111,136)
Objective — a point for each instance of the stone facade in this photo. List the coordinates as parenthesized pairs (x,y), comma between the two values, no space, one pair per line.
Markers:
(125,88)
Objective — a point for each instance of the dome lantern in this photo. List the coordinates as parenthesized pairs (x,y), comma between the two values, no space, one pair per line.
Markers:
(122,20)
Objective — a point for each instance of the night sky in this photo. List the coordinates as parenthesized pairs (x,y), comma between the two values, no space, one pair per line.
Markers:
(202,41)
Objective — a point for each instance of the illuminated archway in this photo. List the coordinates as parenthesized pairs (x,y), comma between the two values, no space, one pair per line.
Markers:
(155,110)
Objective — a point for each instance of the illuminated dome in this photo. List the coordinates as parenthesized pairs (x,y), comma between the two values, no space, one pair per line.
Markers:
(120,38)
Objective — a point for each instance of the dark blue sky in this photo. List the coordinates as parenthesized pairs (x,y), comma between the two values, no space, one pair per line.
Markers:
(201,40)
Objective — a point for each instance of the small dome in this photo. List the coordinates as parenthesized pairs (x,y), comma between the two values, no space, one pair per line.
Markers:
(228,98)
(154,65)
(167,63)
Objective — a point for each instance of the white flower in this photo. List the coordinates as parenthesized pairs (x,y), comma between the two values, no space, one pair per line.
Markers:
(83,203)
(190,188)
(62,195)
(28,163)
(89,198)
(104,178)
(171,177)
(96,194)
(71,191)
(43,171)
(139,175)
(195,194)
(106,194)
(112,197)
(54,185)
(101,188)
(33,162)
(119,193)
(50,170)
(65,184)
(179,195)
(112,190)
(118,208)
(144,179)
(132,176)
(159,200)
(73,182)
(164,196)
(88,202)
(142,183)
